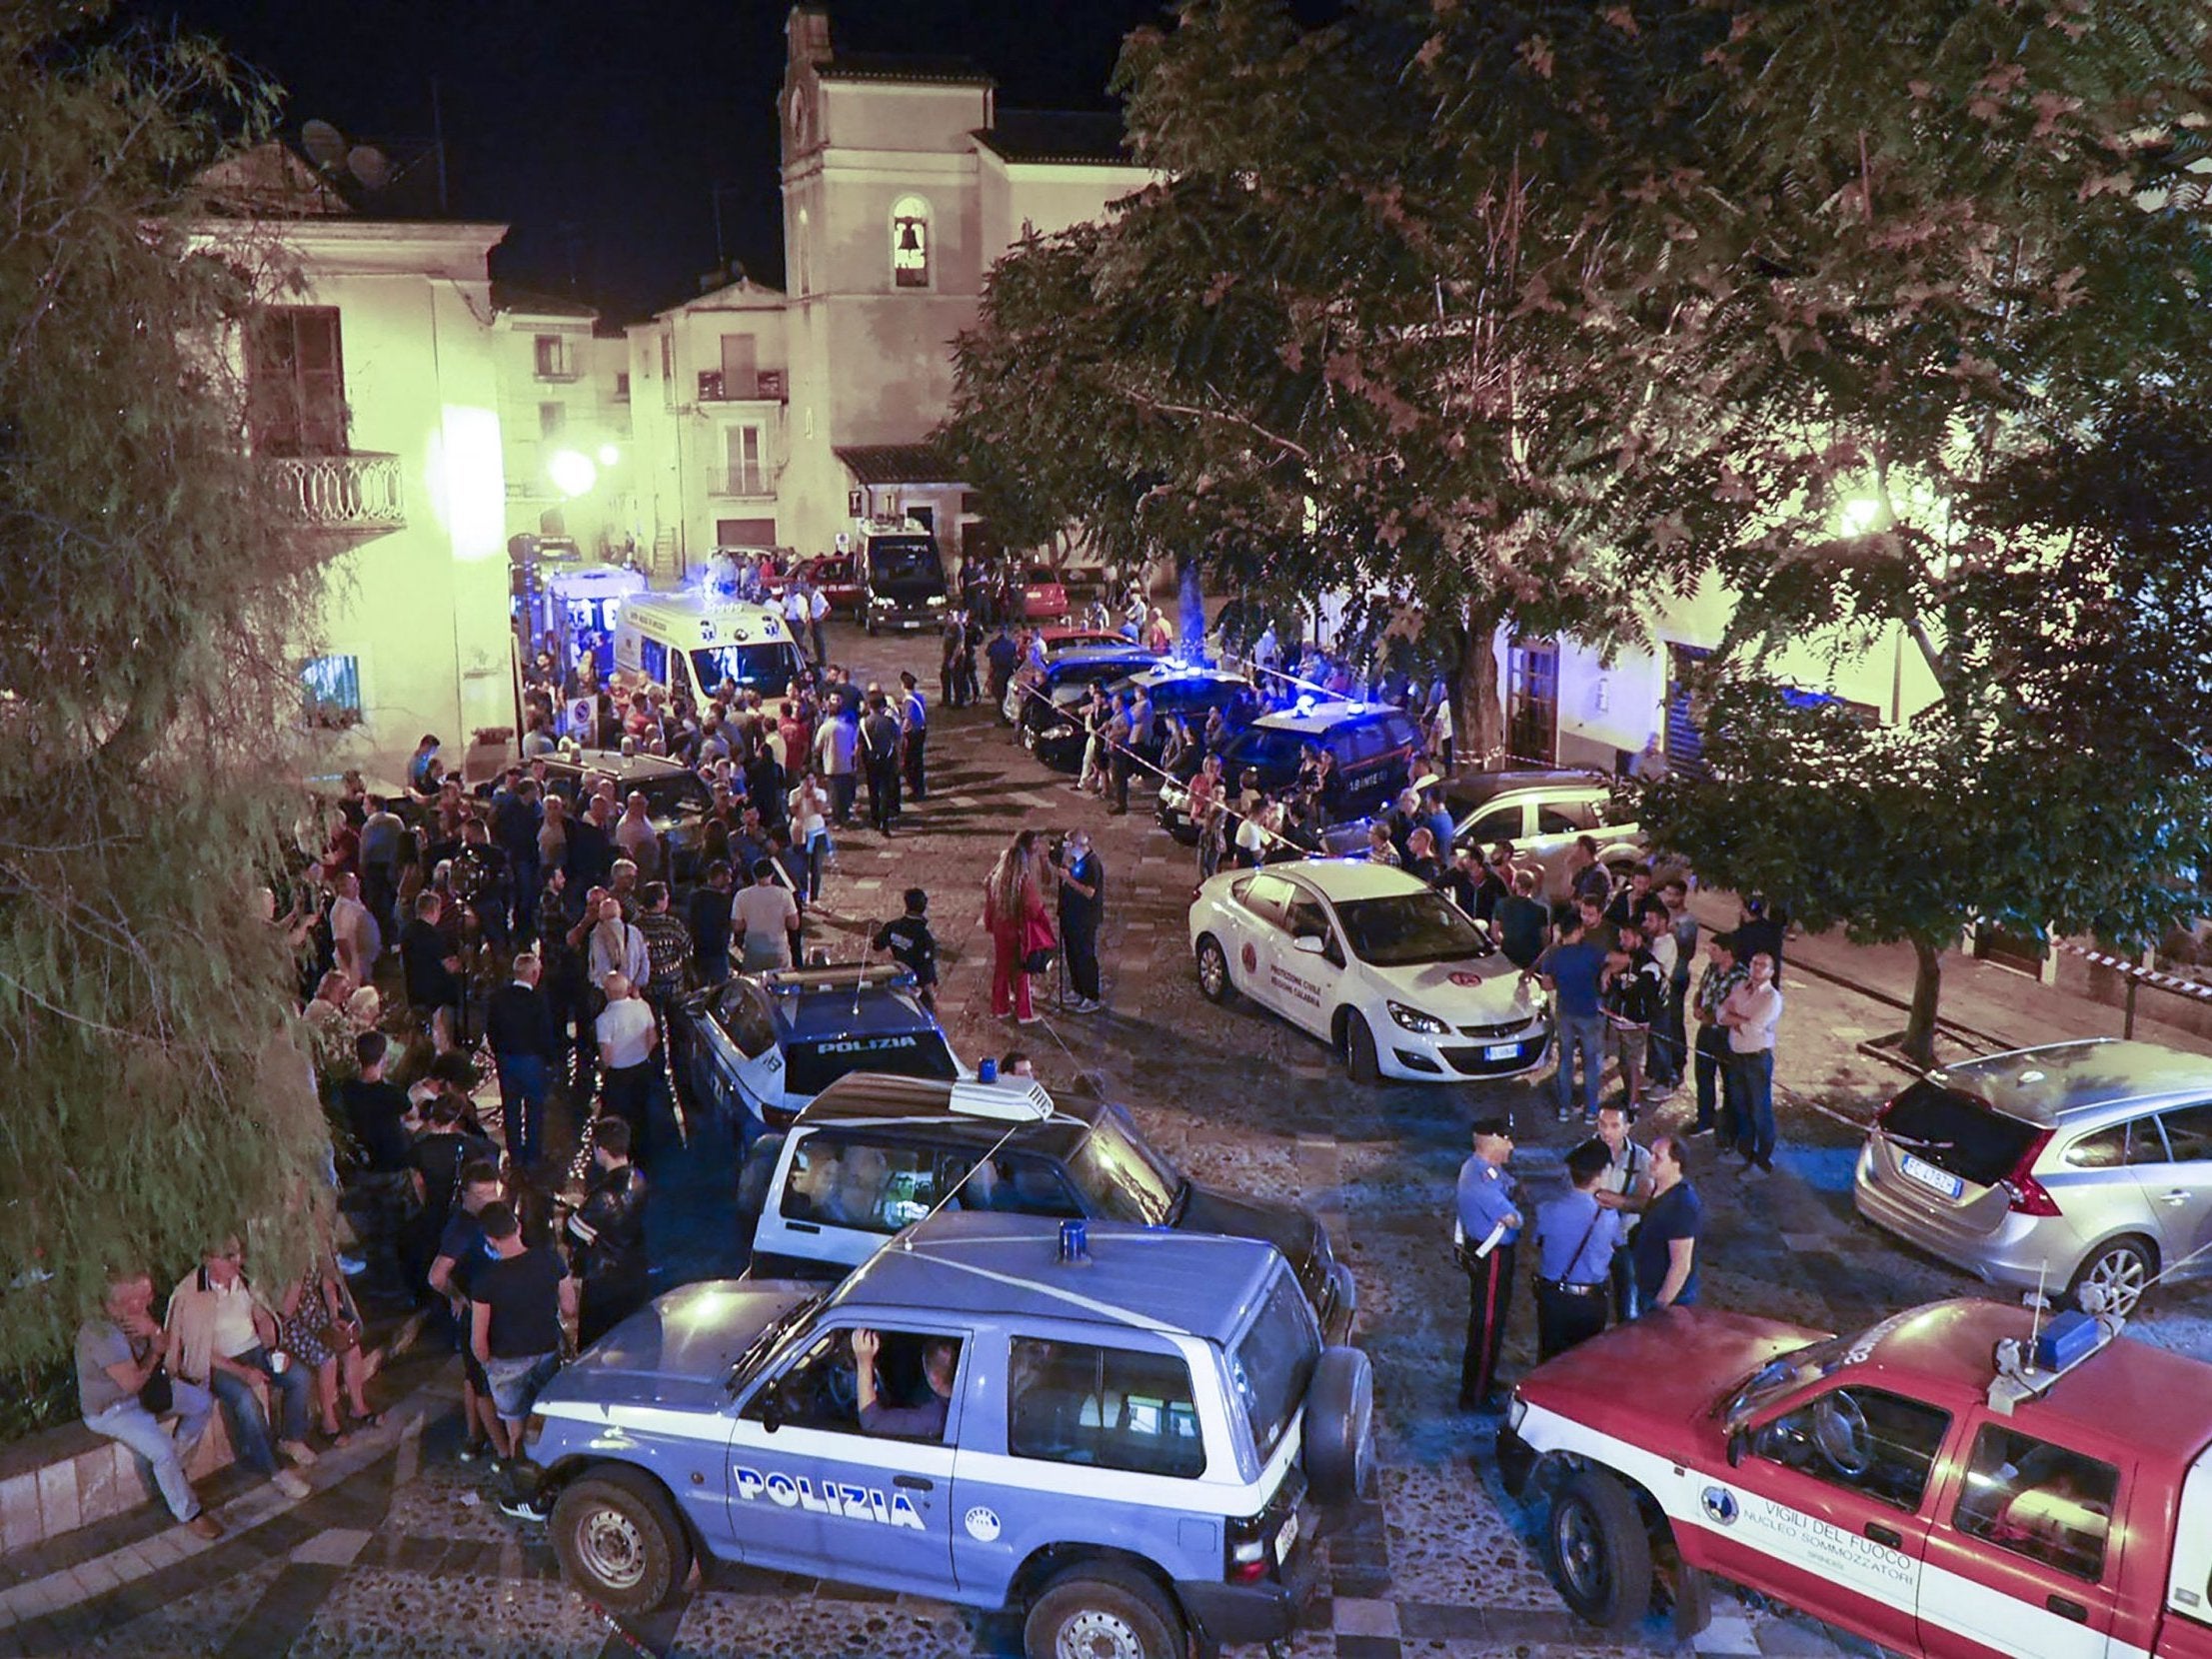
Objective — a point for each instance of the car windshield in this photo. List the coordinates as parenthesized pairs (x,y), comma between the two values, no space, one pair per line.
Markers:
(676,795)
(766,668)
(904,562)
(1266,748)
(1274,1361)
(1123,1178)
(1785,1373)
(771,1335)
(1411,927)
(815,1065)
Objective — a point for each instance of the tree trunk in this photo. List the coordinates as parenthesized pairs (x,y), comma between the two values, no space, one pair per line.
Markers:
(1478,715)
(1189,610)
(1927,985)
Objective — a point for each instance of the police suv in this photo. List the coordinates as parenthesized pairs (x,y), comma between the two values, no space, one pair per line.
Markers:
(872,1154)
(1126,1438)
(1963,1480)
(756,1048)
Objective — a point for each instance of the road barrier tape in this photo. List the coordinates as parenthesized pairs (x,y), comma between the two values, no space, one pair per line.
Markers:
(2154,977)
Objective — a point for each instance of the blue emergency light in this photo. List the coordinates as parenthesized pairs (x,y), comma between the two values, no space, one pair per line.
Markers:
(2067,1340)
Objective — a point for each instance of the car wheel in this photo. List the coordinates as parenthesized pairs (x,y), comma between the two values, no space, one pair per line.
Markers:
(1102,1611)
(1214,981)
(1597,1551)
(1361,1061)
(619,1541)
(2121,1272)
(1340,1431)
(1693,1603)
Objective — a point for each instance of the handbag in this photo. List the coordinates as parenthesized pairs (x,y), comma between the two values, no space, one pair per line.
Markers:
(1036,961)
(155,1393)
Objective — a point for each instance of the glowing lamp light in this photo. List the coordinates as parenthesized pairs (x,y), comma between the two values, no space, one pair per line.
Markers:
(609,454)
(1861,514)
(572,472)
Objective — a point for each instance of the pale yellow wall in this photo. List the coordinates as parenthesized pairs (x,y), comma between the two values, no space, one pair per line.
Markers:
(891,115)
(424,607)
(1045,198)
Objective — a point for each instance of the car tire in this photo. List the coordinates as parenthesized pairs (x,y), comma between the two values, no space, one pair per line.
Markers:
(1215,985)
(618,1540)
(2123,1266)
(1597,1551)
(1361,1062)
(1339,1426)
(1102,1608)
(1693,1603)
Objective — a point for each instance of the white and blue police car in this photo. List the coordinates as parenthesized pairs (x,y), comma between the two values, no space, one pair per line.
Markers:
(756,1048)
(1127,1439)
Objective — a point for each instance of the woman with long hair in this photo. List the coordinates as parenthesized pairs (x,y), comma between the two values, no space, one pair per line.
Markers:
(1017,921)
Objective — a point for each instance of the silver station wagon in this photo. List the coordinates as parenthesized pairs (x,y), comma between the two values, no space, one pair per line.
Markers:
(2061,1166)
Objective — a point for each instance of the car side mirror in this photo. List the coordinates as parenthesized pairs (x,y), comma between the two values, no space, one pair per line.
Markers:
(1740,1445)
(1310,944)
(771,1415)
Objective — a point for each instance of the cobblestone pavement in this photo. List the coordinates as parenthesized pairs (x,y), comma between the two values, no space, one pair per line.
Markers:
(396,1554)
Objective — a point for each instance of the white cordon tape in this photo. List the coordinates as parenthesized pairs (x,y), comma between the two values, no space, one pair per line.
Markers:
(2140,974)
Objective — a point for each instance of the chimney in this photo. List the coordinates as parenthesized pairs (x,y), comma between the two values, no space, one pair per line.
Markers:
(808,30)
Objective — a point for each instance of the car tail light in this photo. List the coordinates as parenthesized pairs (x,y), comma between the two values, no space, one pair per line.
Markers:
(1881,1118)
(2029,1195)
(1247,1560)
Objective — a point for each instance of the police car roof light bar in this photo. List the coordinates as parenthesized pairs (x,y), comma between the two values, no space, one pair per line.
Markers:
(1015,1100)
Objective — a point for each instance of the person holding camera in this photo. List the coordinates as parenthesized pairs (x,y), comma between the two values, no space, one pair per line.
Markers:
(1081,901)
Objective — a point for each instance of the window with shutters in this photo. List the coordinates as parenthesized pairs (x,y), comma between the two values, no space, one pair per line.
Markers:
(296,381)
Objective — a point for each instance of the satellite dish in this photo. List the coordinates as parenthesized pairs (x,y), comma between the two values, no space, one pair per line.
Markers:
(370,165)
(325,144)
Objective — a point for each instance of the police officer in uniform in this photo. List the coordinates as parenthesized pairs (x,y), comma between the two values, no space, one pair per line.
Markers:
(1575,1239)
(1488,1227)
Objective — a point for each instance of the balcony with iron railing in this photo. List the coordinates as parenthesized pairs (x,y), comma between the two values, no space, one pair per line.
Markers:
(346,495)
(761,386)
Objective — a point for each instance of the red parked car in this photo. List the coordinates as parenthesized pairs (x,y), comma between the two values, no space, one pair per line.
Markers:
(834,576)
(1044,596)
(1957,1481)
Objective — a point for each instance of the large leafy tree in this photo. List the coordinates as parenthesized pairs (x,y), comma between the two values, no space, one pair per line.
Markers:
(152,595)
(1356,339)
(1937,297)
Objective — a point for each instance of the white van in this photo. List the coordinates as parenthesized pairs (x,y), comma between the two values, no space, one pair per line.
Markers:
(692,642)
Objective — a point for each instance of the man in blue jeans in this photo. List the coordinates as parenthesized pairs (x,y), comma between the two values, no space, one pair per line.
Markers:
(1750,1017)
(1572,970)
(118,1353)
(225,1341)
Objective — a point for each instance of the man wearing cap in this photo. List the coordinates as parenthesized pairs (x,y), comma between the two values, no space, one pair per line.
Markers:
(1488,1225)
(1575,1239)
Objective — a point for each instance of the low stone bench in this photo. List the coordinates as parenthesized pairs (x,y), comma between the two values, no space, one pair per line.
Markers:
(64,1478)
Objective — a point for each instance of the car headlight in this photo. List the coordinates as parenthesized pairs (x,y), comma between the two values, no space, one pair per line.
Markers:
(533,1427)
(1516,1411)
(1415,1021)
(937,598)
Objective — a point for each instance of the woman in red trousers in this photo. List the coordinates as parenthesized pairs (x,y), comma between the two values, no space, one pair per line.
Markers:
(1015,917)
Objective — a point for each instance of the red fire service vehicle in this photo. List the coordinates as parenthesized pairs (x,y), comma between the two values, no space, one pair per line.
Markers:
(1965,1480)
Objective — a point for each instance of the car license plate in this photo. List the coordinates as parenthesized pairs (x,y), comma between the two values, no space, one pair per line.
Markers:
(1503,1051)
(1285,1538)
(1929,1176)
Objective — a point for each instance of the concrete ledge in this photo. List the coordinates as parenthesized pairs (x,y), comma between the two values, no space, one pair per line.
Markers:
(69,1477)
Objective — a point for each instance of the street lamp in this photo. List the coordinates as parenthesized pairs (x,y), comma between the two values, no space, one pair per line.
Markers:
(572,472)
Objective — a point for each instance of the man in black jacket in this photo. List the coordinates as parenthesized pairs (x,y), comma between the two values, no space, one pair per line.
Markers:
(879,754)
(606,1234)
(519,1026)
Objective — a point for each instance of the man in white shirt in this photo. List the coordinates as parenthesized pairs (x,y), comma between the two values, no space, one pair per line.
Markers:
(354,937)
(225,1341)
(817,612)
(795,615)
(626,1033)
(764,922)
(1750,1017)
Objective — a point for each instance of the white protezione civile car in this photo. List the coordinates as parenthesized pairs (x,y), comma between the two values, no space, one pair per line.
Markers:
(1385,970)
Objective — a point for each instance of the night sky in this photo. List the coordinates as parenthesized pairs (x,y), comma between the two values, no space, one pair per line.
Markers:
(600,131)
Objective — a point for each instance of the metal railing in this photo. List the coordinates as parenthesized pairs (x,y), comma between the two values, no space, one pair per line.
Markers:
(359,493)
